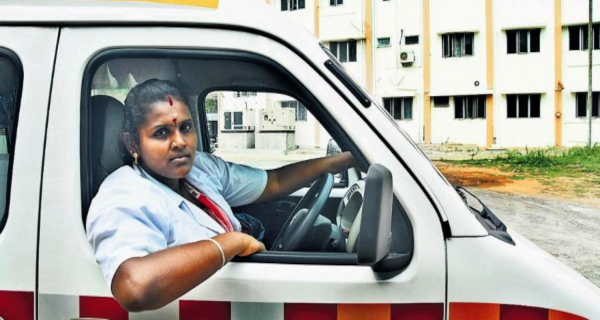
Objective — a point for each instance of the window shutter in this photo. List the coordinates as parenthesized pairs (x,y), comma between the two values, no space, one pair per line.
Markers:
(534,106)
(408,108)
(333,47)
(585,37)
(534,40)
(300,4)
(596,34)
(580,101)
(397,107)
(332,2)
(284,5)
(481,107)
(468,44)
(511,41)
(343,51)
(456,43)
(352,50)
(511,106)
(595,103)
(523,106)
(446,45)
(458,107)
(574,38)
(522,41)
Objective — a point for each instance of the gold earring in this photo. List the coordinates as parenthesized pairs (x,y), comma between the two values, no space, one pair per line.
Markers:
(135,157)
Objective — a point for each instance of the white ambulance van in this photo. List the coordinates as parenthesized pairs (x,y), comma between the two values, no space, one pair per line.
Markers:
(415,248)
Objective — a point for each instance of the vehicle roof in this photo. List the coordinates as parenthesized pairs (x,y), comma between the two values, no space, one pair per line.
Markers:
(253,15)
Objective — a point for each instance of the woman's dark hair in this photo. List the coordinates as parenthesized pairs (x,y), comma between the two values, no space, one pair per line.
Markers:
(138,104)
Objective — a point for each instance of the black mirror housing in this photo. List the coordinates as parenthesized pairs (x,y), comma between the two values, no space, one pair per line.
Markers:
(374,242)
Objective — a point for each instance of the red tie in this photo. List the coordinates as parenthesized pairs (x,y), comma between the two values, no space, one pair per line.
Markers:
(216,212)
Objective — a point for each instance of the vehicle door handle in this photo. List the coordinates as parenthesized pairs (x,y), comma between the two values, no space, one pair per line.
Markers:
(284,206)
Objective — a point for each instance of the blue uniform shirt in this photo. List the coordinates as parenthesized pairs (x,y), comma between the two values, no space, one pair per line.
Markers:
(134,215)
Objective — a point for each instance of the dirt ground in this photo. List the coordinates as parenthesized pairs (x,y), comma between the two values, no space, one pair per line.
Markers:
(585,191)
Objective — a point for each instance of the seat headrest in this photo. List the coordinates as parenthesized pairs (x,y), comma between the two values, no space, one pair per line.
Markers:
(107,120)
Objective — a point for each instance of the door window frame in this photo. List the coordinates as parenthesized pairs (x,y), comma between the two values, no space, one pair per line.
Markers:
(10,145)
(303,95)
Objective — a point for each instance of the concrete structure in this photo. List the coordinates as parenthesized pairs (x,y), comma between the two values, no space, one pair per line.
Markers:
(476,73)
(308,133)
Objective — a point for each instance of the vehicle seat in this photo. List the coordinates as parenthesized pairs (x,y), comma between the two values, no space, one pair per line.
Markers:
(107,120)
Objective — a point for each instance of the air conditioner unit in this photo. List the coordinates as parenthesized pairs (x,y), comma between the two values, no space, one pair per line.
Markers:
(278,119)
(407,57)
(238,120)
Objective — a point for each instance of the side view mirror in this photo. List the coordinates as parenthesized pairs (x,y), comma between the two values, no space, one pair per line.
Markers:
(375,239)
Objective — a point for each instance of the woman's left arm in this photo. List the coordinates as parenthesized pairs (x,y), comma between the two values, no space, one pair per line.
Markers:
(287,179)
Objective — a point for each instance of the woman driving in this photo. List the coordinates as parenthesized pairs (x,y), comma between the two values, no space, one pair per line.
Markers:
(163,224)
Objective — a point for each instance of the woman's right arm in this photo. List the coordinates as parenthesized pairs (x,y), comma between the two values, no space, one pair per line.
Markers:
(155,280)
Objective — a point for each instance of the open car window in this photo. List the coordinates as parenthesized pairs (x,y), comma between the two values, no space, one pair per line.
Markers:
(247,110)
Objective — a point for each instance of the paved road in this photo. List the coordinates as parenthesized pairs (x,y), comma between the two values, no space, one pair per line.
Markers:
(569,232)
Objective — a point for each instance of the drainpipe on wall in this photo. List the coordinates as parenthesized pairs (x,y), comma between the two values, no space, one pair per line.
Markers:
(589,96)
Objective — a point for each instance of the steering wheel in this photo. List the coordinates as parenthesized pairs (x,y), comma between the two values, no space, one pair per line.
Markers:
(304,215)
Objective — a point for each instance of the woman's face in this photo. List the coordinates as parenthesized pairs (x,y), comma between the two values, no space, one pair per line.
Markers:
(168,140)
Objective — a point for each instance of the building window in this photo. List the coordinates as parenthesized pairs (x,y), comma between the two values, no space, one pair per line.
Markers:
(578,37)
(334,3)
(290,5)
(241,94)
(411,40)
(523,41)
(345,51)
(300,109)
(383,42)
(457,44)
(441,102)
(523,105)
(581,104)
(399,108)
(469,107)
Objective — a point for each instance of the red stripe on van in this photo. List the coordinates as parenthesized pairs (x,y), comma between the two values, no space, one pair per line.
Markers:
(312,311)
(511,312)
(418,311)
(101,307)
(16,305)
(559,315)
(204,310)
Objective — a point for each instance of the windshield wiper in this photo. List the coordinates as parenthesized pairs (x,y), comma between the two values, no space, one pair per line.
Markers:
(488,219)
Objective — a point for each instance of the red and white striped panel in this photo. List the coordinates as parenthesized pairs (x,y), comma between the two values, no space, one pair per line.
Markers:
(19,306)
(53,307)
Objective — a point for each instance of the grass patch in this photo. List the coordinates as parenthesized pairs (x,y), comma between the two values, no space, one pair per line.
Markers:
(517,177)
(551,162)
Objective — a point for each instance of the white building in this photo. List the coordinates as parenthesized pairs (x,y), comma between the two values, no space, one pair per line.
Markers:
(487,72)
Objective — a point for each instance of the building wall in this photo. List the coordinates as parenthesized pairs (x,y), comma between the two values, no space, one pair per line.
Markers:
(512,73)
(446,129)
(397,20)
(341,22)
(531,72)
(575,75)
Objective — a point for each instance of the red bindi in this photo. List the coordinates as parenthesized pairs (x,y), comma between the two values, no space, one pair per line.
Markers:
(170,101)
(174,121)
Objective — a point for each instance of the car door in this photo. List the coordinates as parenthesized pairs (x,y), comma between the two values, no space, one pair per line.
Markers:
(25,81)
(70,281)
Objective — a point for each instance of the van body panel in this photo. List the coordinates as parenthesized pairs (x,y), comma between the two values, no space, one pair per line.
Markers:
(529,277)
(18,239)
(75,272)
